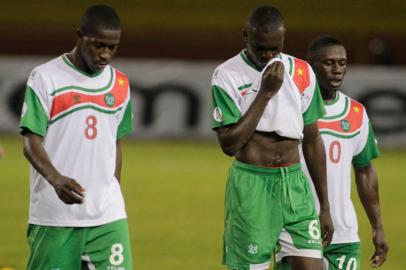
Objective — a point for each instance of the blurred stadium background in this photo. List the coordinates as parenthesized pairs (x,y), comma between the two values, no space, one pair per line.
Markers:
(174,172)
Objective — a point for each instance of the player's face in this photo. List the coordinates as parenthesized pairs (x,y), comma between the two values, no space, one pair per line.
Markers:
(330,64)
(98,49)
(263,46)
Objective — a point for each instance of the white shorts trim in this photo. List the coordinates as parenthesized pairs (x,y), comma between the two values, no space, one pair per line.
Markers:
(90,265)
(260,266)
(288,249)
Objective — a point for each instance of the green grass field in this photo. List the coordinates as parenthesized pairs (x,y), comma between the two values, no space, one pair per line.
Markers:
(174,196)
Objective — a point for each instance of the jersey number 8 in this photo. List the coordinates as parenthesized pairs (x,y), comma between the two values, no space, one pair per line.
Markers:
(91,130)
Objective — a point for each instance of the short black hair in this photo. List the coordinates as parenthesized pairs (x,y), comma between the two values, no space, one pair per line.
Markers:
(99,16)
(318,43)
(264,19)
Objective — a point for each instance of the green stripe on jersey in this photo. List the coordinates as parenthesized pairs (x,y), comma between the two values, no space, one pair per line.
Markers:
(369,152)
(343,113)
(316,108)
(96,90)
(245,86)
(33,116)
(82,108)
(225,110)
(290,66)
(126,126)
(339,135)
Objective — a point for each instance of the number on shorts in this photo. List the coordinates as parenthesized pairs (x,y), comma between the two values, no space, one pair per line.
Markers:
(314,230)
(117,257)
(91,130)
(335,151)
(351,264)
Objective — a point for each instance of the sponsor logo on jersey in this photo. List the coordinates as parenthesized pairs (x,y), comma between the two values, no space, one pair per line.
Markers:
(109,99)
(252,248)
(218,114)
(345,125)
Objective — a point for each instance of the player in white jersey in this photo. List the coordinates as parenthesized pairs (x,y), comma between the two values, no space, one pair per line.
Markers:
(265,103)
(349,142)
(76,110)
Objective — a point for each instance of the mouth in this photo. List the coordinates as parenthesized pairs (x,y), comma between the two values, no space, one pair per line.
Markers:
(101,65)
(336,82)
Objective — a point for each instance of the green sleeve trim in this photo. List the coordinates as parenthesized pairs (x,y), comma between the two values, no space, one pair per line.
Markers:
(369,152)
(316,108)
(225,110)
(126,126)
(33,116)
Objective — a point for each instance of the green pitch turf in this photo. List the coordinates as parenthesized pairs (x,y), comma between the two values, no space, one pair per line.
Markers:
(174,197)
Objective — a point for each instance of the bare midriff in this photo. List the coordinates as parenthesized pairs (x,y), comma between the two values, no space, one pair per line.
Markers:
(268,149)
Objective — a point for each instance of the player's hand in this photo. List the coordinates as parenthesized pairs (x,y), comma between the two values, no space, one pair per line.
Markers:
(381,248)
(272,78)
(326,226)
(68,190)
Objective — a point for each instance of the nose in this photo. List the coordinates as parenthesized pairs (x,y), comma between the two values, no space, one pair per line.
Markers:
(337,68)
(105,54)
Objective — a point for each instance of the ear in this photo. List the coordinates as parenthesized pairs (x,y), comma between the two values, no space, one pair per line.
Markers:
(79,33)
(245,35)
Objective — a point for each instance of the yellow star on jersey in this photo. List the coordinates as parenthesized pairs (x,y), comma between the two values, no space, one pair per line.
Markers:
(120,82)
(356,109)
(300,72)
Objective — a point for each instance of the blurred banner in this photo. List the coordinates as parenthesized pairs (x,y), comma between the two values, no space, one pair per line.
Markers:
(172,98)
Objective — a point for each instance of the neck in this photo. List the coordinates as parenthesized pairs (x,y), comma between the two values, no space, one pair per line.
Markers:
(77,60)
(328,95)
(251,60)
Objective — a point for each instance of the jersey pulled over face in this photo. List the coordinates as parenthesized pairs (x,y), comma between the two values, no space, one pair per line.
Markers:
(80,118)
(349,141)
(236,82)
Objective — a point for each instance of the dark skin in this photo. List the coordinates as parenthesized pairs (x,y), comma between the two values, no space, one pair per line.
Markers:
(330,65)
(265,149)
(91,54)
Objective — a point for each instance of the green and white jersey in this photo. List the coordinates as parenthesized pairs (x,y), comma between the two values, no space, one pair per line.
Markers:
(348,139)
(236,82)
(80,118)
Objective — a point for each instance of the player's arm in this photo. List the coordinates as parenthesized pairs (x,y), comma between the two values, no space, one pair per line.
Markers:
(367,187)
(68,190)
(234,137)
(315,157)
(117,172)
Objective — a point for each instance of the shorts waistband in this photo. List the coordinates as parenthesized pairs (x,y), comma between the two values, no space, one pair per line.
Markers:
(267,170)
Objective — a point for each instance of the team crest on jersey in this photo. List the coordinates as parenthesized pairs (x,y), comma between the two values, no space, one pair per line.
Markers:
(218,115)
(76,99)
(345,125)
(109,99)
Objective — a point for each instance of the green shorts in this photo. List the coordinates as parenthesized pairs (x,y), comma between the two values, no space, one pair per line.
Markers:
(335,257)
(104,247)
(261,204)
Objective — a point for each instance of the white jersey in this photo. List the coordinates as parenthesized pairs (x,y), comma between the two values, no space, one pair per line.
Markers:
(80,118)
(348,139)
(236,83)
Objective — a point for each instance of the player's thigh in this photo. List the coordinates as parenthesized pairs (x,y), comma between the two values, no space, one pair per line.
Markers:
(301,234)
(342,256)
(108,247)
(54,247)
(252,220)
